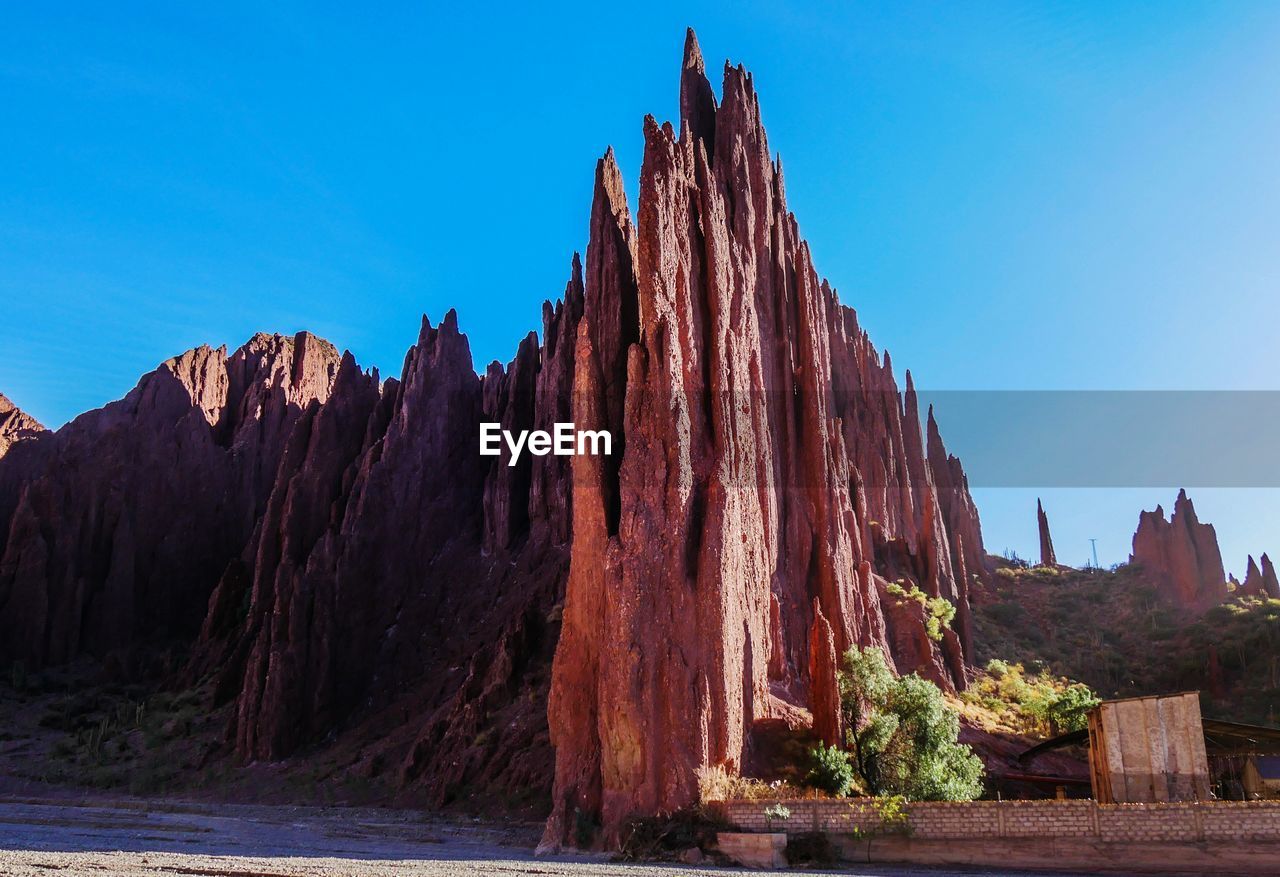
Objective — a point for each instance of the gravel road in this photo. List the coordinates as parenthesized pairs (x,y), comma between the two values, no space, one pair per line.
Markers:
(128,838)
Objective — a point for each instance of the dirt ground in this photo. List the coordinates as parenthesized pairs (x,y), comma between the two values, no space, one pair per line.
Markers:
(129,838)
(126,837)
(104,778)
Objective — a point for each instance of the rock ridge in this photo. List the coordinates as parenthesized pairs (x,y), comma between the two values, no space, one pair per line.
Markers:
(118,524)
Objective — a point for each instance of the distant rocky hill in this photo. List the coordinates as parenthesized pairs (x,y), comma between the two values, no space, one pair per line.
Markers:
(1169,620)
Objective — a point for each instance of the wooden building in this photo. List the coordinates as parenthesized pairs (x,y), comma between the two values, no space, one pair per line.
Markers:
(1159,748)
(1144,750)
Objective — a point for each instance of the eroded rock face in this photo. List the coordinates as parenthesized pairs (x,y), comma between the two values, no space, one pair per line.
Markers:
(21,452)
(910,645)
(15,425)
(1181,555)
(1270,583)
(119,524)
(398,572)
(824,689)
(1047,556)
(341,581)
(770,466)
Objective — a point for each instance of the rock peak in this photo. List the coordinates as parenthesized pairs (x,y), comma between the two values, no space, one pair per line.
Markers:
(693,53)
(1181,555)
(15,425)
(1270,582)
(1260,581)
(697,101)
(1047,555)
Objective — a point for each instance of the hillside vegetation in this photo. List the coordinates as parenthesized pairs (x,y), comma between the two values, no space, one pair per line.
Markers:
(1112,631)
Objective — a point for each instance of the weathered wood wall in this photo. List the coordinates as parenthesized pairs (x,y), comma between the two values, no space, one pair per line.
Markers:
(1148,750)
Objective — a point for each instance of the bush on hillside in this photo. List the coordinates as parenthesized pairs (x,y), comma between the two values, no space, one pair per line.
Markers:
(1033,702)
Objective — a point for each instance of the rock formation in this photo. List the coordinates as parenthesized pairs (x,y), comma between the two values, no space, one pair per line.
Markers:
(1260,582)
(119,524)
(20,453)
(1047,557)
(770,466)
(397,565)
(348,567)
(1181,556)
(15,425)
(824,689)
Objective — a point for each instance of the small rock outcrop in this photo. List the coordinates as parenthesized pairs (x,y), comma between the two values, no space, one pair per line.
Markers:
(15,425)
(1260,582)
(1181,556)
(1047,556)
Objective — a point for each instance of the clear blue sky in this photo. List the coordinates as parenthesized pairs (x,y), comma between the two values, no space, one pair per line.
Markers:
(1023,196)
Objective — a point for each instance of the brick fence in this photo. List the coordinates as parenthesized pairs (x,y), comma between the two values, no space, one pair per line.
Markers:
(1124,823)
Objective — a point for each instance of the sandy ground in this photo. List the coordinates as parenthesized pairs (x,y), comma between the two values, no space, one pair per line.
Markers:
(130,838)
(134,838)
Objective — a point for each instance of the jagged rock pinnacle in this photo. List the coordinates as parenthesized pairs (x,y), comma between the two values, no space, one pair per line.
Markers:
(1047,556)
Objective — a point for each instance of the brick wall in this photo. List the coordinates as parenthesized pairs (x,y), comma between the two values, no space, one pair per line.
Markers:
(1205,821)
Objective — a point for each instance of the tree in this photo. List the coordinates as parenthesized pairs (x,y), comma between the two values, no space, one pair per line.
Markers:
(830,771)
(1069,710)
(902,735)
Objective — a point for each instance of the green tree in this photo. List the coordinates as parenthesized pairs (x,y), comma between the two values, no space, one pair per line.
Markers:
(1069,711)
(830,771)
(902,735)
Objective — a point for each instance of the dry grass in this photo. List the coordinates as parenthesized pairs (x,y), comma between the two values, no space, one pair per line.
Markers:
(717,784)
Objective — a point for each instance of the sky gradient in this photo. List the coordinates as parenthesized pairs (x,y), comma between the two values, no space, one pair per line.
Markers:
(1013,196)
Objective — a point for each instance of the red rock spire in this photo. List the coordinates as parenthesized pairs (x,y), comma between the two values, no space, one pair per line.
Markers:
(769,462)
(824,688)
(1182,556)
(1047,556)
(697,101)
(1261,582)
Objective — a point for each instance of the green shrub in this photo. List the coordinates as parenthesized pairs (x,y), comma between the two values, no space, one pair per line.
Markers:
(938,611)
(831,770)
(939,614)
(1069,709)
(902,735)
(778,811)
